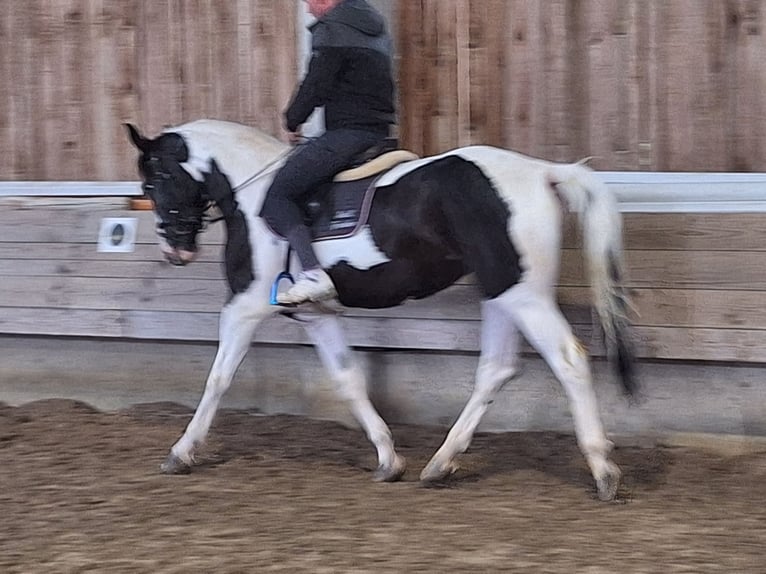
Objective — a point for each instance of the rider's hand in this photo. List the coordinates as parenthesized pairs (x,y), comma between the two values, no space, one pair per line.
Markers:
(294,138)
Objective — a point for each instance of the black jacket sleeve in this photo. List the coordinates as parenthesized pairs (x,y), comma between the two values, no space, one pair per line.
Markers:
(315,89)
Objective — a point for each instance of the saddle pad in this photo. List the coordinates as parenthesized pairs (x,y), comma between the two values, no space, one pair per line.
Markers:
(345,209)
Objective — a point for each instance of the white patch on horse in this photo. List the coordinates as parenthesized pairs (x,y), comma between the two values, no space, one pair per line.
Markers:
(359,251)
(399,171)
(204,137)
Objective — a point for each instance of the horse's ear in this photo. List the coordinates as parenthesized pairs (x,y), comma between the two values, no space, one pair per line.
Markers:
(179,150)
(138,140)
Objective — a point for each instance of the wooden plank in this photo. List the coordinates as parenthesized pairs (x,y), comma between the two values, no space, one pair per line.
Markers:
(694,308)
(577,76)
(75,284)
(159,91)
(6,92)
(114,293)
(74,76)
(413,84)
(602,111)
(522,80)
(683,231)
(493,97)
(284,67)
(461,336)
(695,231)
(748,90)
(645,29)
(244,63)
(196,66)
(626,138)
(61,322)
(556,47)
(683,128)
(78,226)
(642,231)
(162,290)
(468,77)
(680,269)
(702,344)
(73,252)
(27,71)
(444,114)
(116,38)
(155,269)
(267,108)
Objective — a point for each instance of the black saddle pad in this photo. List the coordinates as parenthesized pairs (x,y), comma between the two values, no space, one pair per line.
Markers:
(341,208)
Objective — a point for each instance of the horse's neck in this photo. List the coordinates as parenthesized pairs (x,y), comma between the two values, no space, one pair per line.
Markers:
(240,151)
(247,156)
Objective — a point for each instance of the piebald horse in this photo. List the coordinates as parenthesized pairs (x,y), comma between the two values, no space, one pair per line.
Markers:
(479,209)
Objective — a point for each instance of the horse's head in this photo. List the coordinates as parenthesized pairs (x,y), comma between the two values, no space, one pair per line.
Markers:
(179,199)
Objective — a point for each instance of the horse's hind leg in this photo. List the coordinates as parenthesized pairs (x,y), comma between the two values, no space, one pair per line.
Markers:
(543,325)
(497,365)
(339,361)
(237,326)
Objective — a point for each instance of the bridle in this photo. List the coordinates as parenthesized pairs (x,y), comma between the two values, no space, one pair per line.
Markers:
(192,224)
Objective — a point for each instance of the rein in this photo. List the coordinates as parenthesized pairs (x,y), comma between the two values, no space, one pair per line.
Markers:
(265,170)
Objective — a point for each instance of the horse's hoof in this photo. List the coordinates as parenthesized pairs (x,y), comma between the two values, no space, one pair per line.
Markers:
(434,471)
(174,465)
(608,484)
(391,473)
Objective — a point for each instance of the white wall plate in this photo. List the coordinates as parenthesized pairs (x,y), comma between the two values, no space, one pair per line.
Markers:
(117,234)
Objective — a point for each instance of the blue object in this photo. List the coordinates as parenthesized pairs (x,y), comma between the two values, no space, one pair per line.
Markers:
(275,286)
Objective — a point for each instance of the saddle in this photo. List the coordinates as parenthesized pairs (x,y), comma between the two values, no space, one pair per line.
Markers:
(341,207)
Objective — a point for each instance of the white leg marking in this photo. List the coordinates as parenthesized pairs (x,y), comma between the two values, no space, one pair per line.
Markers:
(236,329)
(340,363)
(498,363)
(542,323)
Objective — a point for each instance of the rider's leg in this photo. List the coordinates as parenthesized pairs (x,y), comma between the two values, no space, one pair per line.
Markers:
(314,163)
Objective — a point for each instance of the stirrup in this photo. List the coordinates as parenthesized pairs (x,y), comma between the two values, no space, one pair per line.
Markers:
(275,288)
(285,274)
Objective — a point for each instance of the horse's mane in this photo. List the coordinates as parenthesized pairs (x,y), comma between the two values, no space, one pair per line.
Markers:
(239,149)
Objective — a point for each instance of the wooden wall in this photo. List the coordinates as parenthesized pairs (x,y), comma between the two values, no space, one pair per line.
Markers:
(699,284)
(74,70)
(659,85)
(639,84)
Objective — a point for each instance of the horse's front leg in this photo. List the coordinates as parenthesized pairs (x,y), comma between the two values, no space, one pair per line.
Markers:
(325,332)
(237,325)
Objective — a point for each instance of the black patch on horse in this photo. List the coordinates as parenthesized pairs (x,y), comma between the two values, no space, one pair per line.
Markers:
(238,253)
(436,224)
(479,221)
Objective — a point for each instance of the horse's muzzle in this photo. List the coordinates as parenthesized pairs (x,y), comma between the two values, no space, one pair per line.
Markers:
(177,257)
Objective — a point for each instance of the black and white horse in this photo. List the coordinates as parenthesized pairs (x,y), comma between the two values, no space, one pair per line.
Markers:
(481,210)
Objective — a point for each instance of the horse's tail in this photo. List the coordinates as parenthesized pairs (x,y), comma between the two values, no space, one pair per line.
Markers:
(601,225)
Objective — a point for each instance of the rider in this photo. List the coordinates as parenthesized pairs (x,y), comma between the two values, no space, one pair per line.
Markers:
(350,74)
